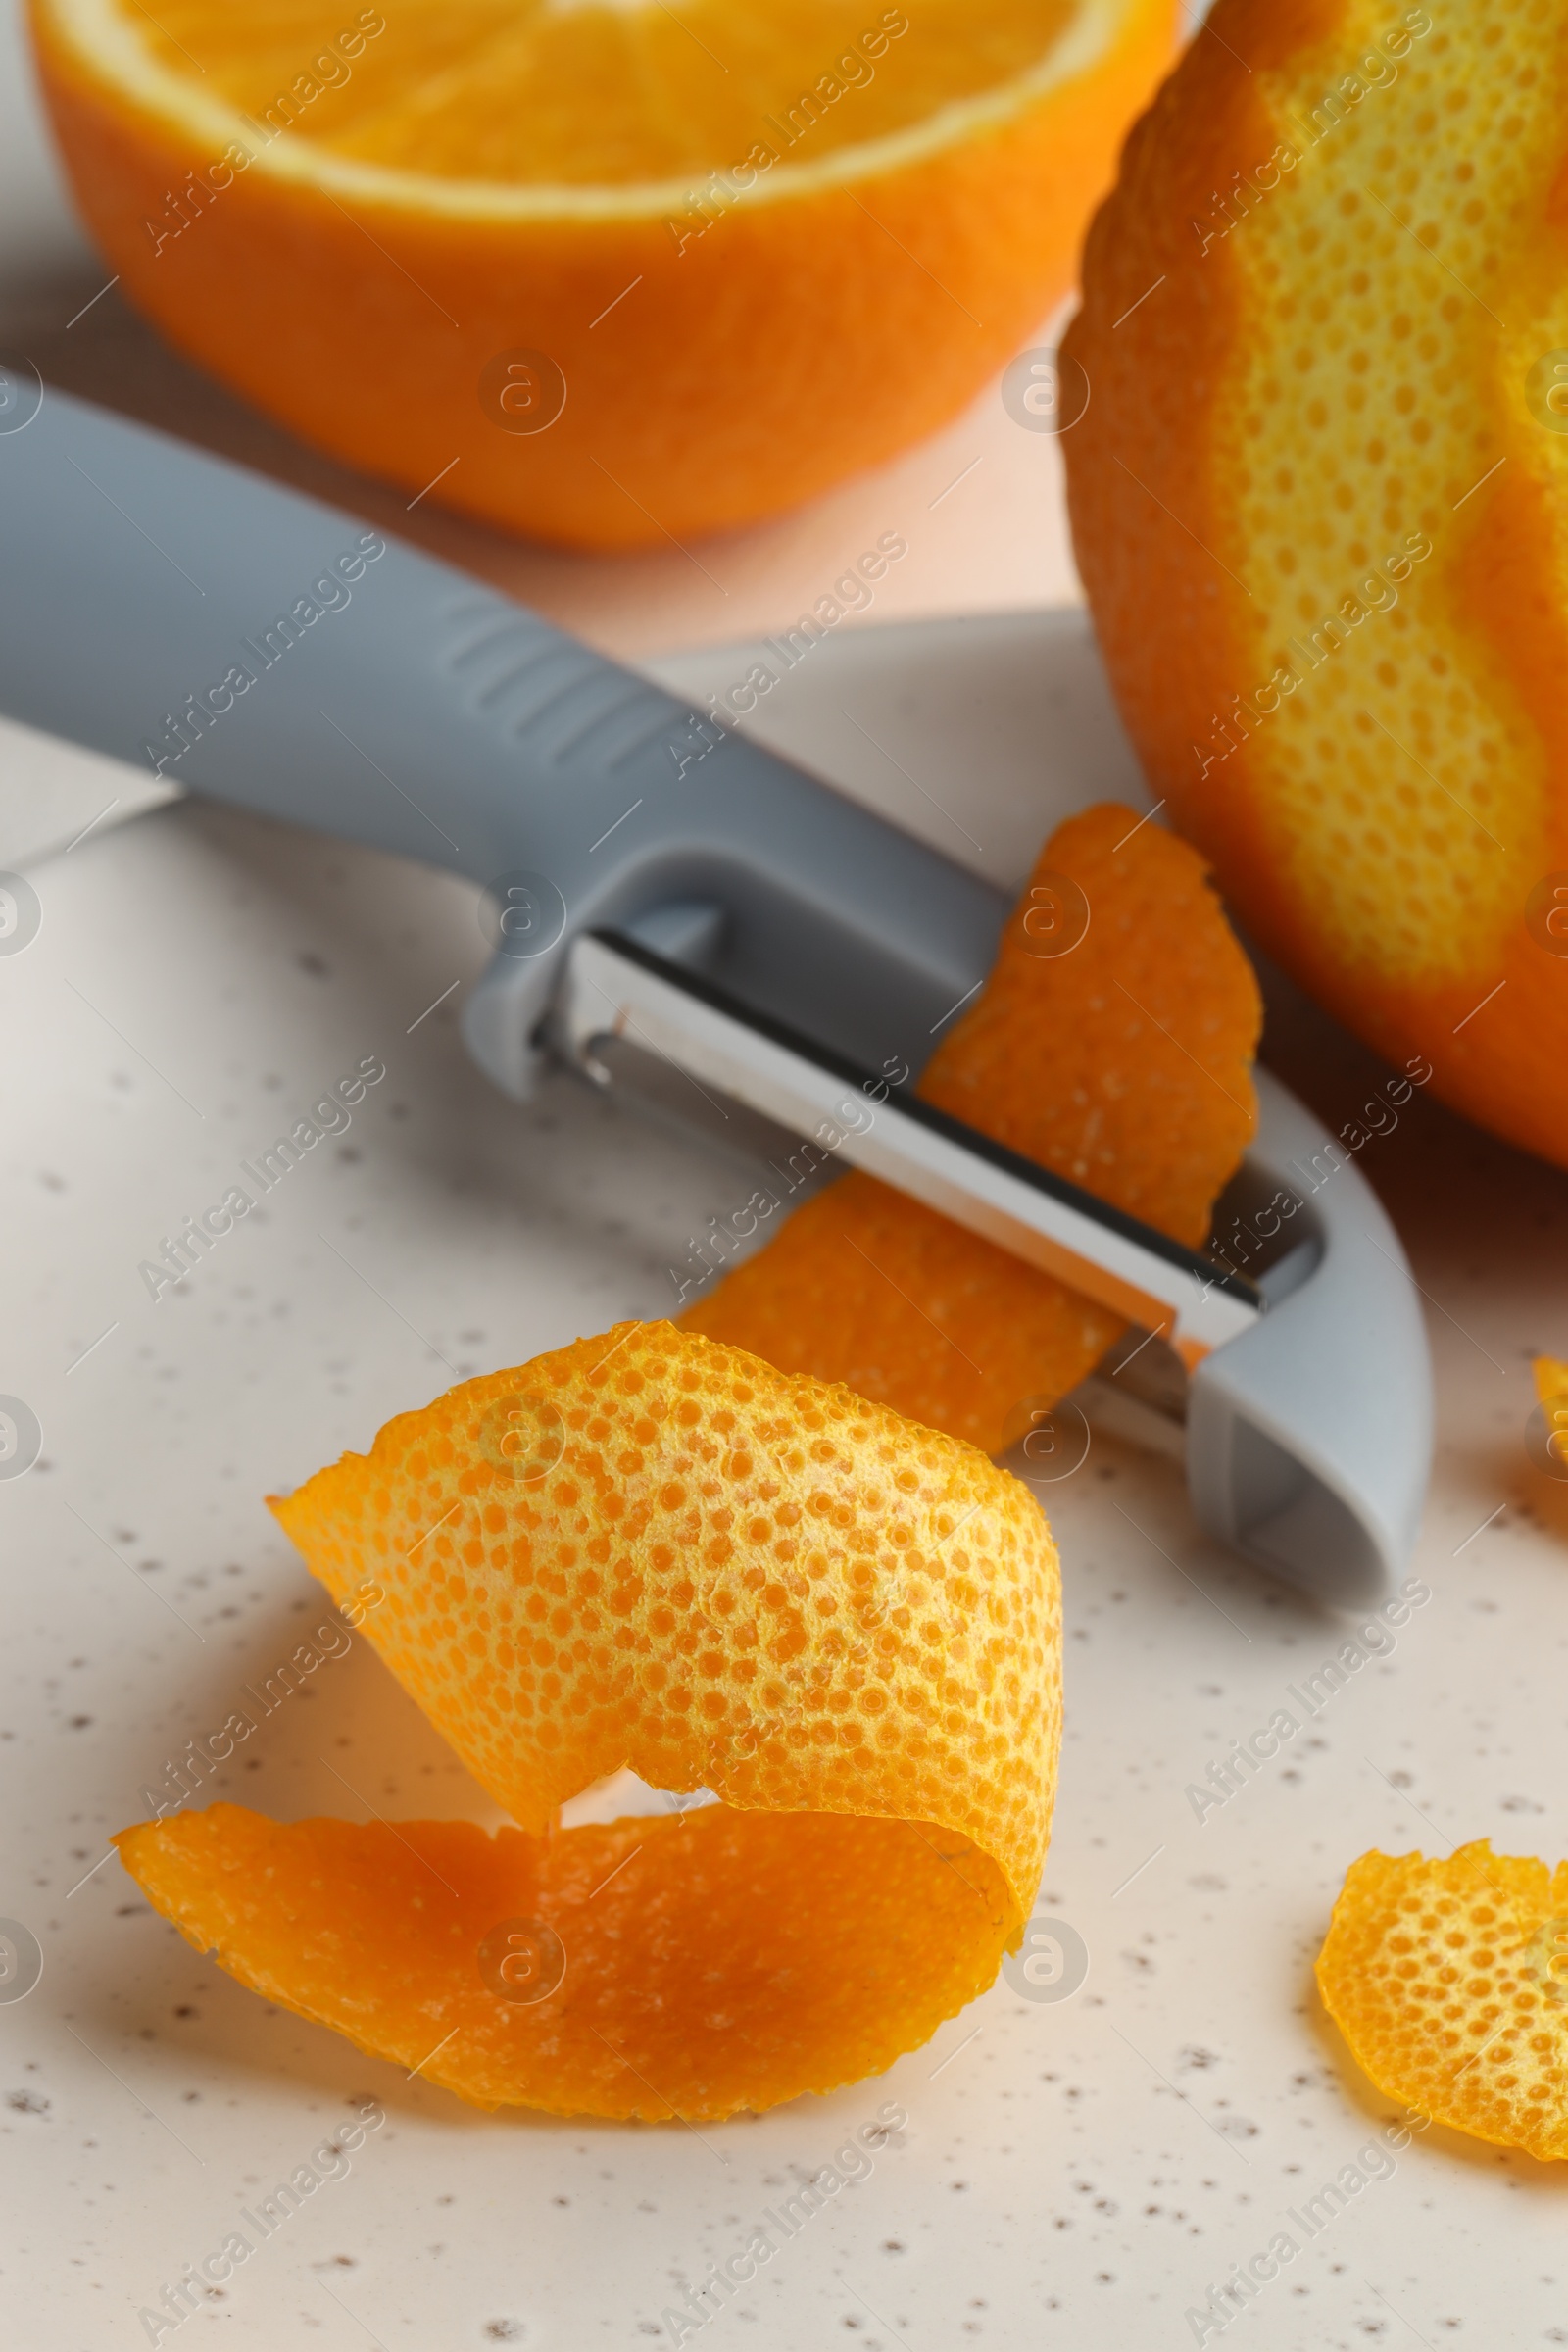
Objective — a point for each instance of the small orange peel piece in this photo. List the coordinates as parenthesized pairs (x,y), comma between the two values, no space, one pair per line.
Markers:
(1449,1982)
(648,1549)
(1114,1043)
(1546,1432)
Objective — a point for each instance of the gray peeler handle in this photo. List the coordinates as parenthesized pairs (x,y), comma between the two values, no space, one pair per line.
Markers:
(194,618)
(1310,1438)
(177,612)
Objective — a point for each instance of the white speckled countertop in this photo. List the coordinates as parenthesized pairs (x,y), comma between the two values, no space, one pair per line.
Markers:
(1073,2172)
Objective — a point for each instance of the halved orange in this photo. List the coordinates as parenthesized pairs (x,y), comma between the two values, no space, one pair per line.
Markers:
(750,247)
(647,1549)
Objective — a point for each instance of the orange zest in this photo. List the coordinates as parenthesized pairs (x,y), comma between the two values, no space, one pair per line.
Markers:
(650,1551)
(1449,1982)
(1123,1062)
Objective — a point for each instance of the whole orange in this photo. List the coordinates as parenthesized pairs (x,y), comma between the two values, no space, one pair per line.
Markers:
(603,271)
(1318,501)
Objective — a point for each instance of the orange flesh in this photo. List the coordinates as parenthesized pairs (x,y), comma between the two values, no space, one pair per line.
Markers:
(525,91)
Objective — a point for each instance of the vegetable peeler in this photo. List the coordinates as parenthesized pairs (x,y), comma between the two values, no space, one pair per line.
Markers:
(668,894)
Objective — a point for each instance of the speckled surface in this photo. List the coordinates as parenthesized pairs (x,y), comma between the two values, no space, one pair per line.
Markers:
(1076,2172)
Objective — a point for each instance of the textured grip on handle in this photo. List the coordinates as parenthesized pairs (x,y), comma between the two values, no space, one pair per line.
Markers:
(163,606)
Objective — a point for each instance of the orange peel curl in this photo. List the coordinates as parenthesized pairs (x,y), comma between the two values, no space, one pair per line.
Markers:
(648,1549)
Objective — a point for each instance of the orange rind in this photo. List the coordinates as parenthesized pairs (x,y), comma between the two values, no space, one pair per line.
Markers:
(1449,1982)
(1317,498)
(1114,1043)
(648,1549)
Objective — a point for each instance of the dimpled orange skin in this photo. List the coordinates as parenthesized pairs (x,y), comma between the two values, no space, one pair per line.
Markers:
(1125,1064)
(1449,1982)
(1328,367)
(849,1629)
(741,370)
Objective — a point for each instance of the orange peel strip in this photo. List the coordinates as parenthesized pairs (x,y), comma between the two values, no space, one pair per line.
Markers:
(1125,1064)
(652,1550)
(1449,1982)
